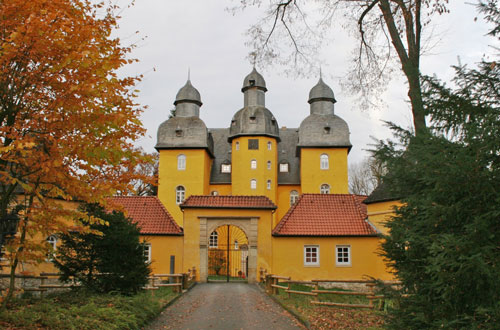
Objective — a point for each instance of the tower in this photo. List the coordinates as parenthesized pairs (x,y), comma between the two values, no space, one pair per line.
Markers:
(254,137)
(323,145)
(186,153)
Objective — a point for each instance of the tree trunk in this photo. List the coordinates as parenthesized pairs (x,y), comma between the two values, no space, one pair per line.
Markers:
(410,59)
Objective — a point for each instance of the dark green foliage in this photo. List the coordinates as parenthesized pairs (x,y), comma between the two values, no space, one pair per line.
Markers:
(86,310)
(444,243)
(113,261)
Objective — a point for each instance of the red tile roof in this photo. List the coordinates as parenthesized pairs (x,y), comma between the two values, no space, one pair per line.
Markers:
(149,214)
(325,215)
(229,202)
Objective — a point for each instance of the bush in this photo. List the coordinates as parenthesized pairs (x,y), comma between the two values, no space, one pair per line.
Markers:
(113,261)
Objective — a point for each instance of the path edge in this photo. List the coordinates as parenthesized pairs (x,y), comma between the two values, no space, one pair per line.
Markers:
(298,317)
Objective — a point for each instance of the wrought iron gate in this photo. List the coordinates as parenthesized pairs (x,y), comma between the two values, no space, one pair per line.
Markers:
(228,258)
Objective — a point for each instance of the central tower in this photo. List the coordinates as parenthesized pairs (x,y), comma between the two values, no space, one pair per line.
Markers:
(254,137)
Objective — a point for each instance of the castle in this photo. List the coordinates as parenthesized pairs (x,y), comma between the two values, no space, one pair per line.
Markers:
(234,201)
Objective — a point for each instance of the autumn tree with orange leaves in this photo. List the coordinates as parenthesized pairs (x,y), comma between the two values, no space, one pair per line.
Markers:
(67,120)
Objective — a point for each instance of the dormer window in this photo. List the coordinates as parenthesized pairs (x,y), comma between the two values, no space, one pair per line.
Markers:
(225,168)
(252,82)
(326,130)
(178,133)
(253,119)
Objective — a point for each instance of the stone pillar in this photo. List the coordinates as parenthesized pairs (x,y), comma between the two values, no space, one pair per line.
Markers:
(203,251)
(252,251)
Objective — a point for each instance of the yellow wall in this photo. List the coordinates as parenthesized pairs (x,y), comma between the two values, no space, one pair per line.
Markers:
(222,189)
(284,200)
(288,258)
(378,213)
(195,178)
(162,247)
(312,177)
(241,172)
(192,234)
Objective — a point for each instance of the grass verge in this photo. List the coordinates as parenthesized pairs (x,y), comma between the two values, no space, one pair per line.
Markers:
(84,310)
(321,317)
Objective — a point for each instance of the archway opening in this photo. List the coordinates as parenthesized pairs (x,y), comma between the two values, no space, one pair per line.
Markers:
(227,254)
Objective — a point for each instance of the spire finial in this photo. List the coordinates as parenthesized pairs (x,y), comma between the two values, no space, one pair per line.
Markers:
(320,73)
(253,55)
(189,73)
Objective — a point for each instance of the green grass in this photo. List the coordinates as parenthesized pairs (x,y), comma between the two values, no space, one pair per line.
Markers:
(325,317)
(84,310)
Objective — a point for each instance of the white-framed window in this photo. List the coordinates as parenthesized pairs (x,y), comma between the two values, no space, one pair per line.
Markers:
(237,145)
(52,240)
(181,162)
(343,255)
(324,189)
(324,163)
(225,168)
(180,194)
(253,164)
(294,195)
(269,145)
(268,185)
(268,164)
(311,255)
(253,184)
(284,167)
(213,240)
(147,252)
(236,245)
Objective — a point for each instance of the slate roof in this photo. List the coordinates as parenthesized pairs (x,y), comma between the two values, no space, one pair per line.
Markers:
(149,214)
(228,202)
(380,194)
(325,215)
(286,154)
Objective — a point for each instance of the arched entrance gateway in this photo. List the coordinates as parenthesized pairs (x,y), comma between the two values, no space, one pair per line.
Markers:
(228,237)
(227,253)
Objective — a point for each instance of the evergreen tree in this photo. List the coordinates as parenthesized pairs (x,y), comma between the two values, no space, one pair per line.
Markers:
(444,242)
(108,259)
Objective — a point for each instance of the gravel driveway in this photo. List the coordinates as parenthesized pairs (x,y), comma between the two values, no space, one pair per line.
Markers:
(225,306)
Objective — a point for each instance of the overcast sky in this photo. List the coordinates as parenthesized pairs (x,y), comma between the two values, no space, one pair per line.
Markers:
(203,36)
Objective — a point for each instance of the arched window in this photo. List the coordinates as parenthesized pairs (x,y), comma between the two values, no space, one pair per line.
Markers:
(294,195)
(213,241)
(253,184)
(324,189)
(268,164)
(268,184)
(237,145)
(52,240)
(181,162)
(269,145)
(324,165)
(253,164)
(236,245)
(180,194)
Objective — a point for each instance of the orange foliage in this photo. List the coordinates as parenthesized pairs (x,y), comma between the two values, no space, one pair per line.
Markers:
(67,119)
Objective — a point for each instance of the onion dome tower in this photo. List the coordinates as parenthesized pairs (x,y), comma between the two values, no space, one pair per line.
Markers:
(186,152)
(322,128)
(323,145)
(254,118)
(185,129)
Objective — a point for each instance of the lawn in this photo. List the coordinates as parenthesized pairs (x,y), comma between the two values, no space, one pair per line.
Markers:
(321,317)
(84,310)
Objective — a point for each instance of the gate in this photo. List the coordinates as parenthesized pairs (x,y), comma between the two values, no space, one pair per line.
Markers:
(228,255)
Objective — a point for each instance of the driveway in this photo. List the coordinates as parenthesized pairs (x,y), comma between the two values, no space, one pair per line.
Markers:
(225,306)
